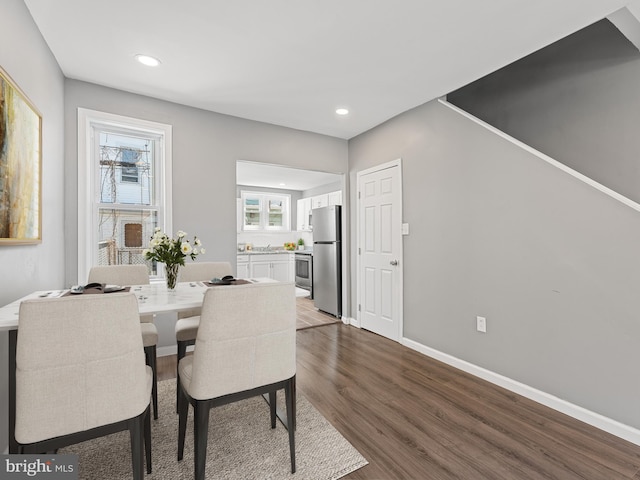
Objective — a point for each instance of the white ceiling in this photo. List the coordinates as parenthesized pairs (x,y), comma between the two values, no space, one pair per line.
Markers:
(293,62)
(273,176)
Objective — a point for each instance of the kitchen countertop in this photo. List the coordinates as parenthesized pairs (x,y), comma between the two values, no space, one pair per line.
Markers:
(271,252)
(264,252)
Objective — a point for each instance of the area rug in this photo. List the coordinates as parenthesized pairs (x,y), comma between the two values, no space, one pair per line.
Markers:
(242,445)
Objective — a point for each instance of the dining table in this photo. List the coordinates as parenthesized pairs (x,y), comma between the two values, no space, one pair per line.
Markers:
(152,298)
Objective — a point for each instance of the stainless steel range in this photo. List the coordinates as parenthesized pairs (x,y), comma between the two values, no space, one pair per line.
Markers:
(304,270)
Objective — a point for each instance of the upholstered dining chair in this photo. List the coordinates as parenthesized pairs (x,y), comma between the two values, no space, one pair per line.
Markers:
(127,275)
(246,346)
(81,374)
(188,320)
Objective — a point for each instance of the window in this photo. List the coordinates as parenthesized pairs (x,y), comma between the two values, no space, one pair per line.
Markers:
(130,159)
(265,211)
(276,212)
(252,212)
(124,189)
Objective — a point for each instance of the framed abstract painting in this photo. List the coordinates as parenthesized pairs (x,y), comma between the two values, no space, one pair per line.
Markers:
(20,166)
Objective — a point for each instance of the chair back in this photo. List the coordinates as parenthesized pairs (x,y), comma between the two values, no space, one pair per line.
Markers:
(124,275)
(79,365)
(246,339)
(120,274)
(202,271)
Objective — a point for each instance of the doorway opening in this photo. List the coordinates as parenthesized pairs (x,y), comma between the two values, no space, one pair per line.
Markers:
(274,191)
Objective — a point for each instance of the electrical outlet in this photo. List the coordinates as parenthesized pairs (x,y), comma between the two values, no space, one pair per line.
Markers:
(481,324)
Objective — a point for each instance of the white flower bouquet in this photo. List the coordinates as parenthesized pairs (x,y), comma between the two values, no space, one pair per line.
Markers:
(172,251)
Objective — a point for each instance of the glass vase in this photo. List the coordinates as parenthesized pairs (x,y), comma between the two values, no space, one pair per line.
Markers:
(171,272)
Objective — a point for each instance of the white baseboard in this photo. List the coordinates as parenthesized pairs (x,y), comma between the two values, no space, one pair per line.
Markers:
(354,322)
(166,351)
(606,424)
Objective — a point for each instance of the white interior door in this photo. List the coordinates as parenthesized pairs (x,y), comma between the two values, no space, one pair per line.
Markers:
(380,250)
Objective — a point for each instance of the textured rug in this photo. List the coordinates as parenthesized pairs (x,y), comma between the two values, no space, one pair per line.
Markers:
(242,445)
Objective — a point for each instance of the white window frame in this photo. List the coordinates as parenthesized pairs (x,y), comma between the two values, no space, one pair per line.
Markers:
(88,191)
(264,198)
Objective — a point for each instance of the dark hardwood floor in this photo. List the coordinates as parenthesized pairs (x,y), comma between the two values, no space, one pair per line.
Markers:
(413,417)
(307,316)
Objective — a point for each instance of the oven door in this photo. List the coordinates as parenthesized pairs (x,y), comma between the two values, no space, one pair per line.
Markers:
(304,271)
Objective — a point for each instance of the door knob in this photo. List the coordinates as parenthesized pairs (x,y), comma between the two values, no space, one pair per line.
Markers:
(393,262)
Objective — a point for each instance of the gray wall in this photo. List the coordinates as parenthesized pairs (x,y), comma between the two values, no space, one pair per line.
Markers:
(577,100)
(27,59)
(206,147)
(549,261)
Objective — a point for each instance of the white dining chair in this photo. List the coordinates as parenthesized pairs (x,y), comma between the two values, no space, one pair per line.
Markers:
(186,327)
(81,374)
(246,346)
(127,275)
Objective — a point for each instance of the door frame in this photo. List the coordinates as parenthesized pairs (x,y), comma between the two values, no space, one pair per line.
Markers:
(399,234)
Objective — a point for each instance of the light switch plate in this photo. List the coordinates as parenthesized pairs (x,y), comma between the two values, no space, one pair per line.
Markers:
(481,324)
(405,229)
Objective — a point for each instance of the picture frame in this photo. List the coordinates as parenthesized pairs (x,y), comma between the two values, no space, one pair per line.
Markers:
(20,166)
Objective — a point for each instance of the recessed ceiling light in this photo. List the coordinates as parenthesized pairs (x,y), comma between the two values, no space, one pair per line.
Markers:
(342,111)
(283,184)
(147,60)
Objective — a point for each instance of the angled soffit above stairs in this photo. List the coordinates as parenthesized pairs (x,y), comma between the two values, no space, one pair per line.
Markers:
(627,20)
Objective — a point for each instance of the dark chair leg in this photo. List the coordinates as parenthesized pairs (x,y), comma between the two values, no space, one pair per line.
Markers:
(136,426)
(200,434)
(182,351)
(182,348)
(183,402)
(289,390)
(295,398)
(272,408)
(147,437)
(150,357)
(14,447)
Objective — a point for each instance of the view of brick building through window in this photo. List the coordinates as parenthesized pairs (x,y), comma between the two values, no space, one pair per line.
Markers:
(126,211)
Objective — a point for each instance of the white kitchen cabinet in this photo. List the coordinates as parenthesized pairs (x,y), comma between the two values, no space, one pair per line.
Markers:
(278,266)
(281,270)
(260,268)
(242,267)
(243,270)
(335,198)
(305,205)
(302,214)
(320,201)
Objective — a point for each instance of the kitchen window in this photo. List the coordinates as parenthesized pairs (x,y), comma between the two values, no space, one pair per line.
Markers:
(265,211)
(124,189)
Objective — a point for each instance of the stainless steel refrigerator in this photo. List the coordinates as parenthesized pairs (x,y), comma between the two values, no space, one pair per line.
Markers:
(327,259)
